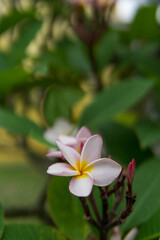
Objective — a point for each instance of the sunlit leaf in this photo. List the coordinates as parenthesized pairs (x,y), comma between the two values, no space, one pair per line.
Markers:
(114,100)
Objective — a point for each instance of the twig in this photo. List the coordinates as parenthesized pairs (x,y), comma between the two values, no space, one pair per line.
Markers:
(88,216)
(94,206)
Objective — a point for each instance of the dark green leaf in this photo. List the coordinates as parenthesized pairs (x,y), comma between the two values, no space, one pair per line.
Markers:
(66,210)
(148,132)
(1,221)
(12,78)
(12,19)
(114,100)
(59,102)
(31,232)
(122,144)
(106,48)
(146,185)
(27,34)
(77,58)
(150,229)
(145,25)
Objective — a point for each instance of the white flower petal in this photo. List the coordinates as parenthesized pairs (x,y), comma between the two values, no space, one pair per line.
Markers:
(81,186)
(62,126)
(67,140)
(84,132)
(54,154)
(61,169)
(70,154)
(104,171)
(92,149)
(50,135)
(132,234)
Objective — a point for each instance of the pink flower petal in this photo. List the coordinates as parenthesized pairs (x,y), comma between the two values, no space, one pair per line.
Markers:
(81,186)
(92,149)
(67,140)
(70,154)
(84,132)
(104,171)
(61,169)
(56,154)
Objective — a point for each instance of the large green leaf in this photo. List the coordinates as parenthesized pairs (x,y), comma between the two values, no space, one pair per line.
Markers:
(114,100)
(12,19)
(66,210)
(148,132)
(146,185)
(1,222)
(31,232)
(150,229)
(122,144)
(59,102)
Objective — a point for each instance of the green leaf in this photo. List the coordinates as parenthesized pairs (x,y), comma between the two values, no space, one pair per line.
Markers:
(150,229)
(66,210)
(12,19)
(122,144)
(114,100)
(77,58)
(105,48)
(17,124)
(31,232)
(146,16)
(148,132)
(18,183)
(1,221)
(59,101)
(146,186)
(22,126)
(12,78)
(27,34)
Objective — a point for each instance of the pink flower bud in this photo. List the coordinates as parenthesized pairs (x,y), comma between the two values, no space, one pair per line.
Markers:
(131,171)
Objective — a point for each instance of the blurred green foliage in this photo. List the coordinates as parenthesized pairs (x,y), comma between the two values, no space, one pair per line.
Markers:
(44,66)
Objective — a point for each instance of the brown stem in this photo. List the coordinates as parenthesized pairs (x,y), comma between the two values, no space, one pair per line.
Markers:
(88,216)
(117,185)
(118,200)
(94,206)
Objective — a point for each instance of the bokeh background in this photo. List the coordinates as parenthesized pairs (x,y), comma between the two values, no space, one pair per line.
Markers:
(47,73)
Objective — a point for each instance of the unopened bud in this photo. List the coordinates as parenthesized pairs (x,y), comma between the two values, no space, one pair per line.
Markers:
(131,171)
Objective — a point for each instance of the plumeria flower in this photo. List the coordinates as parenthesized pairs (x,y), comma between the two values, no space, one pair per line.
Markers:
(61,128)
(76,142)
(87,168)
